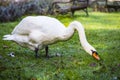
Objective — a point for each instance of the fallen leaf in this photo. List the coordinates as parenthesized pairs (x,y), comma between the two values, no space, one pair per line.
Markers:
(93,64)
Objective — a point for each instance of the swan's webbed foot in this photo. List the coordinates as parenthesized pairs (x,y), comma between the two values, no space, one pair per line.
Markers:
(36,53)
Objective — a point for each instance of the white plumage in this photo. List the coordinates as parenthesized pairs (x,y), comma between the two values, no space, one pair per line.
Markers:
(37,32)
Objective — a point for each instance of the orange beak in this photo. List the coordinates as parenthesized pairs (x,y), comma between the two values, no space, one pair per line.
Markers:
(95,55)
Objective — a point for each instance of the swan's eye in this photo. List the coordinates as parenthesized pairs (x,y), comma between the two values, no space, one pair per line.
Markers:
(95,55)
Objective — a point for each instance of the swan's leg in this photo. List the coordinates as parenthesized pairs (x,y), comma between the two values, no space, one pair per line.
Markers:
(36,52)
(46,51)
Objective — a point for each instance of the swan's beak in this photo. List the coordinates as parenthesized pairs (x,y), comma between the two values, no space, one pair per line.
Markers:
(95,55)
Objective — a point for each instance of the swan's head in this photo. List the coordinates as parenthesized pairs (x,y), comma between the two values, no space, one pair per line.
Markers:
(95,55)
(91,50)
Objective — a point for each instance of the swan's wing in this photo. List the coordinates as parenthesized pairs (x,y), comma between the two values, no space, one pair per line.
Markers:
(25,26)
(41,23)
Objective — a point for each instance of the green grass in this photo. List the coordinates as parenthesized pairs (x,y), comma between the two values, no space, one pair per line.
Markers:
(102,31)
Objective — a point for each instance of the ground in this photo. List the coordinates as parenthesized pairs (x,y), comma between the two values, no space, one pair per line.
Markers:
(102,31)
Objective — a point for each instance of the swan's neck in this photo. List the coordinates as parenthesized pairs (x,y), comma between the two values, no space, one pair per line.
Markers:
(78,26)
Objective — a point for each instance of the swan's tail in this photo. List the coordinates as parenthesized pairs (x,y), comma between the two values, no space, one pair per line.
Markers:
(8,37)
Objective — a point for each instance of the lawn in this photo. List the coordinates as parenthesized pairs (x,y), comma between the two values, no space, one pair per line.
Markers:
(102,31)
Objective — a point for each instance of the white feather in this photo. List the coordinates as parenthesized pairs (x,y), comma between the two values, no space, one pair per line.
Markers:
(8,37)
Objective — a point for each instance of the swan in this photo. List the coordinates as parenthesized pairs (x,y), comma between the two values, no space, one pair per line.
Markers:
(37,32)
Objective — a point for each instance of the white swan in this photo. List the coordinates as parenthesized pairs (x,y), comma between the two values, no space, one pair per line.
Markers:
(40,31)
